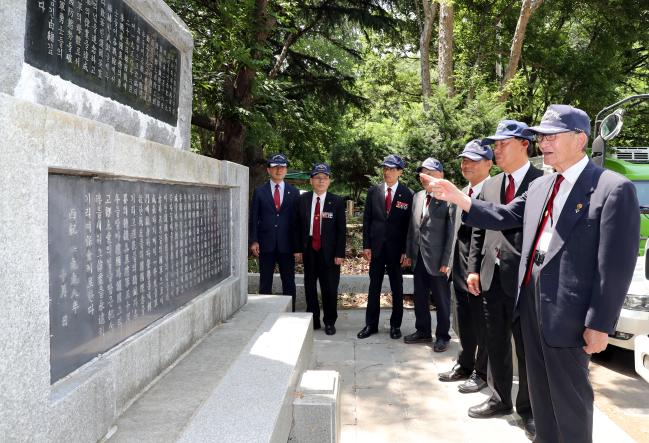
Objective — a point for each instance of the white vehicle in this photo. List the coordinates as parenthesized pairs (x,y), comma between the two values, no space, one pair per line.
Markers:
(642,356)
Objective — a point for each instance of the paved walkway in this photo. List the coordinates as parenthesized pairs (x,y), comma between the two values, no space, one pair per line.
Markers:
(390,391)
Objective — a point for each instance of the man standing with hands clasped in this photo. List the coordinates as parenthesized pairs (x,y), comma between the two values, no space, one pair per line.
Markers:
(270,231)
(581,230)
(320,229)
(428,249)
(385,226)
(499,253)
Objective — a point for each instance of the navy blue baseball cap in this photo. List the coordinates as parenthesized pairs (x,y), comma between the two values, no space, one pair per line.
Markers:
(277,160)
(431,163)
(509,129)
(562,118)
(393,161)
(476,151)
(320,168)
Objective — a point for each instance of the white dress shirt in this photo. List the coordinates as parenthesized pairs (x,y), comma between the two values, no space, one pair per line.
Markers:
(570,176)
(518,175)
(281,190)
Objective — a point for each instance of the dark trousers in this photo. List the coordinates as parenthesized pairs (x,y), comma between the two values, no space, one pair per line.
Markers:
(317,269)
(561,394)
(378,266)
(425,284)
(470,322)
(286,264)
(498,314)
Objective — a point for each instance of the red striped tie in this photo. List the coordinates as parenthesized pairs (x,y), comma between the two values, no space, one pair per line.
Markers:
(546,215)
(388,201)
(276,198)
(315,241)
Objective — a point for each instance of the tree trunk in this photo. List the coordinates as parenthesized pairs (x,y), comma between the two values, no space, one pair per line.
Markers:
(527,9)
(231,131)
(430,9)
(445,49)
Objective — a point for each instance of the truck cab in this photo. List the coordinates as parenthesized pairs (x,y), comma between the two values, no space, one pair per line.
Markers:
(633,163)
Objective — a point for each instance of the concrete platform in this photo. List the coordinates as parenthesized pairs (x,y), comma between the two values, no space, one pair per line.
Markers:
(179,400)
(390,390)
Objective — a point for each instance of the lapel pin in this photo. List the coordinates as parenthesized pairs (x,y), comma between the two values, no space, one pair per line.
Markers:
(578,207)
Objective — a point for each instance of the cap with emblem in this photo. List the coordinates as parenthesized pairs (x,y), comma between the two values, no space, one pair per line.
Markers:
(320,168)
(508,129)
(277,160)
(432,164)
(476,151)
(393,161)
(562,118)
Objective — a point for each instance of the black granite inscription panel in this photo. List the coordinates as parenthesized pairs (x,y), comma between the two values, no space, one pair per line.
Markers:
(106,47)
(122,254)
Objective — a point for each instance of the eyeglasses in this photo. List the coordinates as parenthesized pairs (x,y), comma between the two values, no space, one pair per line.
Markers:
(540,138)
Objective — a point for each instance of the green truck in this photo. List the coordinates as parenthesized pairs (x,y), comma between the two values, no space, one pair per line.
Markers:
(633,163)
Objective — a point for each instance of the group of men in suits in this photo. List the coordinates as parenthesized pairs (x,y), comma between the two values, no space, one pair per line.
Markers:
(400,230)
(562,254)
(286,226)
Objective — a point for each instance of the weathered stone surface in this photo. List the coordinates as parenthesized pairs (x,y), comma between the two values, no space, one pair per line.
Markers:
(29,83)
(316,409)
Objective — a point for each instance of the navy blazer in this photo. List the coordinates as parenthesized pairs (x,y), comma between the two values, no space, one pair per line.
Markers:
(272,229)
(590,261)
(333,227)
(382,230)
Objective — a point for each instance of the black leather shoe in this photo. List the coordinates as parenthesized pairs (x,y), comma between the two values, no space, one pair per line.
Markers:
(417,337)
(475,383)
(316,326)
(367,331)
(395,333)
(530,427)
(440,345)
(455,374)
(330,329)
(489,408)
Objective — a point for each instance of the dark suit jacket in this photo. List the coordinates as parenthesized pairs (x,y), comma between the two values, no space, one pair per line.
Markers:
(486,243)
(460,248)
(432,235)
(333,228)
(589,264)
(381,230)
(272,229)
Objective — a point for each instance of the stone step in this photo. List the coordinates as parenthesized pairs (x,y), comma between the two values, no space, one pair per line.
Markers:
(237,358)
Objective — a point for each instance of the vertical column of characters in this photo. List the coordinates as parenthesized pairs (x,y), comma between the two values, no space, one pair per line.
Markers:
(166,241)
(138,82)
(88,11)
(135,265)
(150,299)
(119,19)
(155,288)
(182,223)
(148,56)
(89,255)
(50,36)
(219,235)
(100,46)
(141,266)
(127,263)
(129,60)
(157,66)
(60,27)
(203,238)
(109,256)
(159,263)
(78,34)
(118,260)
(211,237)
(69,31)
(99,242)
(191,246)
(110,45)
(93,35)
(173,247)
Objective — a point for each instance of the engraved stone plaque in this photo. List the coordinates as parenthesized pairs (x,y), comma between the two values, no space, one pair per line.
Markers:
(122,254)
(106,47)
